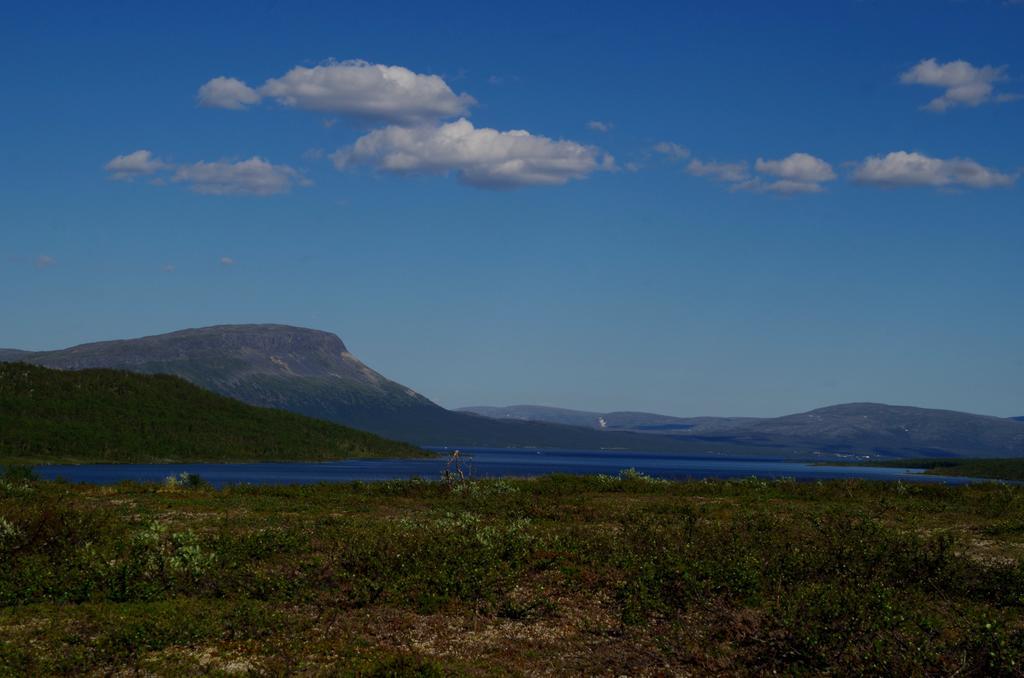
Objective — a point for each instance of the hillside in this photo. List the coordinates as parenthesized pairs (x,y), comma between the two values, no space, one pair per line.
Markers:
(101,415)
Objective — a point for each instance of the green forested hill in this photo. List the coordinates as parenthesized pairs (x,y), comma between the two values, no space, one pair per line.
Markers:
(101,415)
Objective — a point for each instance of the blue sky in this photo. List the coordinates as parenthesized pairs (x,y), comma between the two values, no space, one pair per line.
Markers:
(351,170)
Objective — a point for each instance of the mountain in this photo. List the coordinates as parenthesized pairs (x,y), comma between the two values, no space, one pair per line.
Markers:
(1017,418)
(640,422)
(311,372)
(101,415)
(889,429)
(855,427)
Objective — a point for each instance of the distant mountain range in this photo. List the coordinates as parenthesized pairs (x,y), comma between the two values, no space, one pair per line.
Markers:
(641,422)
(855,427)
(312,373)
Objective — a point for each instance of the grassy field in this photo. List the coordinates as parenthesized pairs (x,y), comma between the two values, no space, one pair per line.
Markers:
(557,575)
(98,416)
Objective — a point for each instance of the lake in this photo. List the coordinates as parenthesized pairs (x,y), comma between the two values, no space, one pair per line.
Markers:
(487,463)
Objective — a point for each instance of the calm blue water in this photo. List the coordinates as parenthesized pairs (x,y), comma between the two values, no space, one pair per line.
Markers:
(481,463)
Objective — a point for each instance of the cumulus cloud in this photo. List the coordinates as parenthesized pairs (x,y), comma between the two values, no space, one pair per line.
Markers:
(672,150)
(797,167)
(137,164)
(599,126)
(227,261)
(358,89)
(227,93)
(480,157)
(254,176)
(964,84)
(796,173)
(721,171)
(44,261)
(901,168)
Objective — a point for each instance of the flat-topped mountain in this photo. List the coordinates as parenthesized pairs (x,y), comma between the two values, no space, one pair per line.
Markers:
(227,354)
(260,364)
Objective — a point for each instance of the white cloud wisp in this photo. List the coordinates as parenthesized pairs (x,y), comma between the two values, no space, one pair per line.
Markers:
(138,164)
(254,176)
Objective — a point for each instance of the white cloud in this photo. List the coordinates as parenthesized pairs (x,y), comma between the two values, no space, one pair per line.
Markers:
(598,126)
(227,261)
(965,85)
(44,261)
(254,176)
(168,268)
(796,173)
(789,187)
(672,150)
(915,169)
(782,186)
(227,93)
(799,167)
(358,89)
(480,157)
(722,171)
(137,164)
